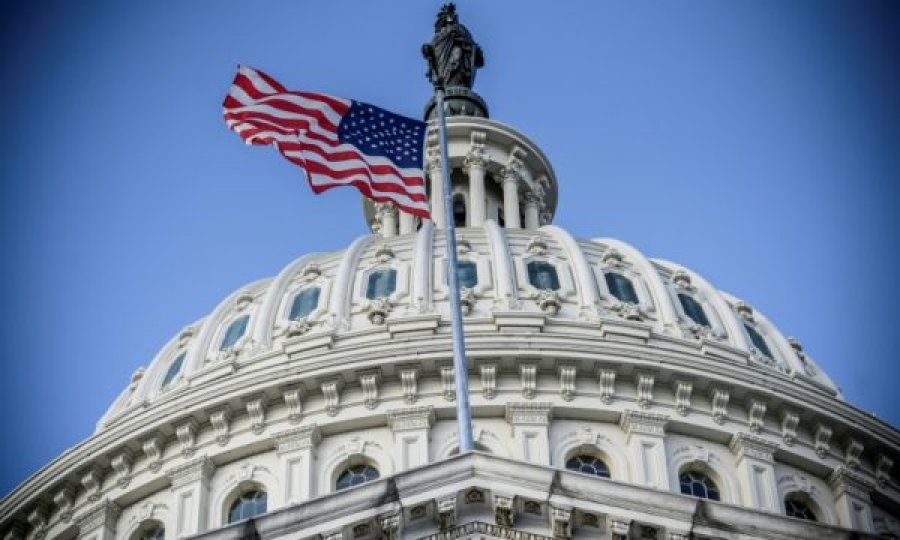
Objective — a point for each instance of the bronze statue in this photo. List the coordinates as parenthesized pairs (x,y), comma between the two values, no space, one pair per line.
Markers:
(453,56)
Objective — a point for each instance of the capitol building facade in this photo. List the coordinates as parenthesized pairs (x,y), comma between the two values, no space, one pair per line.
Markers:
(613,396)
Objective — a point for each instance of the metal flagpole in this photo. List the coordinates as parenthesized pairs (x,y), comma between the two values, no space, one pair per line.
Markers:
(460,371)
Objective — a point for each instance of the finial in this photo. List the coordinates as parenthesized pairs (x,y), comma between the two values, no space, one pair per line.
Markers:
(453,59)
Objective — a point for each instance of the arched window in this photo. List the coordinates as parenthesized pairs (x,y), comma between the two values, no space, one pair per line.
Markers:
(588,464)
(698,484)
(693,309)
(621,287)
(249,504)
(468,274)
(796,508)
(304,303)
(758,341)
(542,275)
(356,475)
(234,332)
(155,532)
(173,371)
(381,284)
(459,210)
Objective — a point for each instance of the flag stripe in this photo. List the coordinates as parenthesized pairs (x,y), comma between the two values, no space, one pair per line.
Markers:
(338,142)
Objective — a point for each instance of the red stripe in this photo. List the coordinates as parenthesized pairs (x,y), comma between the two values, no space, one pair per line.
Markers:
(245,84)
(262,119)
(337,157)
(272,82)
(315,167)
(290,108)
(364,188)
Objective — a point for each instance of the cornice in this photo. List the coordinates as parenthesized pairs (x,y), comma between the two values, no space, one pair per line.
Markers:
(274,370)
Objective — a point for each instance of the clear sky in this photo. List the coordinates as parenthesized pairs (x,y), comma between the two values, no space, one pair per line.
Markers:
(755,142)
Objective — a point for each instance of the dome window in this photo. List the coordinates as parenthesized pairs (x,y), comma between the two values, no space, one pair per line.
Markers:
(468,274)
(381,284)
(698,484)
(234,332)
(459,211)
(356,475)
(758,341)
(173,371)
(621,287)
(153,533)
(588,464)
(249,504)
(304,303)
(693,309)
(798,509)
(542,275)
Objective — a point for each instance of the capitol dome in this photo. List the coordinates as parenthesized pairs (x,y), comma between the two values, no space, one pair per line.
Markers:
(613,395)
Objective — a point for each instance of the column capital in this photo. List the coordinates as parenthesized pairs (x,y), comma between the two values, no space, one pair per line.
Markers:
(529,412)
(384,209)
(298,438)
(747,445)
(476,157)
(842,480)
(643,423)
(531,198)
(196,470)
(509,175)
(102,515)
(411,418)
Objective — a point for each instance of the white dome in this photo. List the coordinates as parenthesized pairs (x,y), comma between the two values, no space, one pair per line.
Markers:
(500,255)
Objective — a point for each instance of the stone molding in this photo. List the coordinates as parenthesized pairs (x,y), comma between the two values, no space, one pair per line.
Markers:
(746,445)
(101,515)
(843,480)
(299,438)
(411,418)
(196,470)
(529,413)
(643,423)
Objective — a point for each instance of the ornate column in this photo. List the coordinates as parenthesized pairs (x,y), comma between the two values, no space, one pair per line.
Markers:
(190,490)
(99,522)
(296,450)
(411,426)
(433,165)
(386,213)
(852,498)
(756,470)
(509,179)
(530,422)
(532,217)
(645,435)
(407,223)
(475,162)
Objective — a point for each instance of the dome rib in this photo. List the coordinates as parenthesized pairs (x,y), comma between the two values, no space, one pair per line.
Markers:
(268,311)
(341,297)
(585,282)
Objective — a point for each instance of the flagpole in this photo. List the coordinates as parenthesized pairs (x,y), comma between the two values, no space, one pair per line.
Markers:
(460,370)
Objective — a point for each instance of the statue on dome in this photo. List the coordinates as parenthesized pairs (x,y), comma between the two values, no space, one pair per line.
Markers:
(453,56)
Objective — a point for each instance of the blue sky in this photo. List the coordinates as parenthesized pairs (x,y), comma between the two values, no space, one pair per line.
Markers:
(755,142)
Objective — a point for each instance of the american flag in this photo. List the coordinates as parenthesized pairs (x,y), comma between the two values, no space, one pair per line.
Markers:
(338,142)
